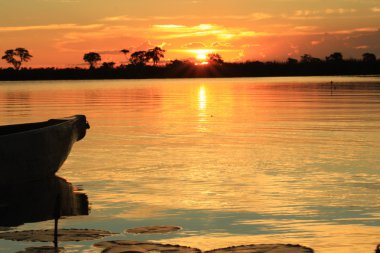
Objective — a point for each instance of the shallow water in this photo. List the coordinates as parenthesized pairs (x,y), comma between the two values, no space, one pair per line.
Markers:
(232,161)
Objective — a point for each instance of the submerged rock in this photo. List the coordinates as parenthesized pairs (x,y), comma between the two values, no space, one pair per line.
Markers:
(43,249)
(48,235)
(264,248)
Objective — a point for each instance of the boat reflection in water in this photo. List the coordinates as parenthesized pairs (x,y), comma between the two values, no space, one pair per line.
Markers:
(40,200)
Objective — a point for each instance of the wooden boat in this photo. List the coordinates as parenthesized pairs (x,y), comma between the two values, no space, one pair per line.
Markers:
(37,150)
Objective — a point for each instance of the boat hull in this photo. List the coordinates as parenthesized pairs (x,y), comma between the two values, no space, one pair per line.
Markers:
(39,151)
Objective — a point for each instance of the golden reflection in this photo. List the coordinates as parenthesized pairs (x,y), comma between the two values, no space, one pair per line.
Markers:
(202,98)
(202,106)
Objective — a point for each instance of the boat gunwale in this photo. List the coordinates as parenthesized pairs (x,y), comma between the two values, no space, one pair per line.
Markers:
(55,123)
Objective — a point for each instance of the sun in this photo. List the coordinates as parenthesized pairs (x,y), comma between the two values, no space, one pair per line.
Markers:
(200,54)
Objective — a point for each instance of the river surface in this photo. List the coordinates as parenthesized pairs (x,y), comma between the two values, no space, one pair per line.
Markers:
(231,161)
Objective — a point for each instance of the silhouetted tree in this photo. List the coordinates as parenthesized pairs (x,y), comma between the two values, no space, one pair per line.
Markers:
(369,57)
(21,54)
(125,52)
(139,58)
(292,61)
(215,58)
(92,58)
(155,54)
(176,62)
(180,64)
(108,65)
(335,57)
(307,58)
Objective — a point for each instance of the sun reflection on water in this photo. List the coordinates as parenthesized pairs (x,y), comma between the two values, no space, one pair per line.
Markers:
(202,98)
(202,108)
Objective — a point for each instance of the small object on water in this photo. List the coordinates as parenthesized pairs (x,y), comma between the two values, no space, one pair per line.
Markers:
(33,151)
(153,229)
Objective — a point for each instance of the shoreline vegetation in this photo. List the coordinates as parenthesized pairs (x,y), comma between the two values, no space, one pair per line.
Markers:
(147,65)
(179,69)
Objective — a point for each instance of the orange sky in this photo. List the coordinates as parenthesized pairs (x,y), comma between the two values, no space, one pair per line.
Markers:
(58,32)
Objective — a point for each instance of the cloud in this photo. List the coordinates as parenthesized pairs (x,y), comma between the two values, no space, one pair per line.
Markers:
(164,45)
(170,27)
(307,14)
(356,30)
(260,16)
(203,30)
(339,11)
(50,27)
(375,9)
(97,39)
(305,28)
(62,1)
(182,18)
(194,45)
(221,45)
(250,45)
(180,31)
(122,18)
(109,52)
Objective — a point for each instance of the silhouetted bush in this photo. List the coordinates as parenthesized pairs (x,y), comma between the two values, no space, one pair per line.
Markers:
(184,69)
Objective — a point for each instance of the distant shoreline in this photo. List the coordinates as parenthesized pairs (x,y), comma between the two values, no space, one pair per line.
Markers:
(187,70)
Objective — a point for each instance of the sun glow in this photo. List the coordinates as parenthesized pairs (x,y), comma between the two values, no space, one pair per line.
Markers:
(201,63)
(200,54)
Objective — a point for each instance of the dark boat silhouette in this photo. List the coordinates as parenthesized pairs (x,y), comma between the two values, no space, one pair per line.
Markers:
(40,200)
(37,150)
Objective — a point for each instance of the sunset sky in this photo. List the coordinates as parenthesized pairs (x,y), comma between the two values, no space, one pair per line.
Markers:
(58,32)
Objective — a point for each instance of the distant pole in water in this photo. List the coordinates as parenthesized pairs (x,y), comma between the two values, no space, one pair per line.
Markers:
(333,87)
(57,215)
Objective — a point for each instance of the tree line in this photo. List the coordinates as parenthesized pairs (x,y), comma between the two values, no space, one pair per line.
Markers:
(144,64)
(136,58)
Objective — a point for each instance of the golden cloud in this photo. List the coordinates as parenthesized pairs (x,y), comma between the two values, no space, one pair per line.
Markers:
(122,18)
(50,27)
(339,11)
(194,45)
(172,31)
(362,29)
(318,14)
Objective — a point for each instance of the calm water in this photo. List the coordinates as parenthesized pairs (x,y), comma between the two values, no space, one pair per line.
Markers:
(232,161)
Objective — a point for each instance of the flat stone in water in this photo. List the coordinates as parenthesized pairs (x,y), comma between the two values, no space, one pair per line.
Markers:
(264,248)
(43,249)
(152,229)
(126,246)
(48,235)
